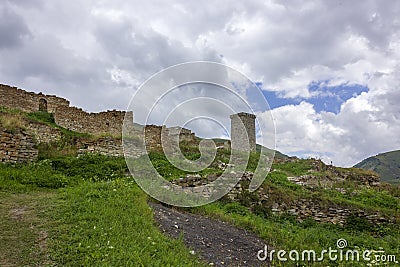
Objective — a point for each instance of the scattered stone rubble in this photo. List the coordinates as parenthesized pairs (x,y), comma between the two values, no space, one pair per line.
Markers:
(300,208)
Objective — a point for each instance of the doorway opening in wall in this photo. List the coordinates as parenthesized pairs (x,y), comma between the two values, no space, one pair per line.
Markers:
(43,105)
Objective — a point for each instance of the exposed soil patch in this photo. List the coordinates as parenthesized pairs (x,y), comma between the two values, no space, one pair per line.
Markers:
(217,242)
(23,241)
(18,213)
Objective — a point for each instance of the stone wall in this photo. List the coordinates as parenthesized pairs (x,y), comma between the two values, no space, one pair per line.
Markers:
(243,129)
(75,119)
(72,118)
(109,146)
(155,134)
(43,133)
(325,212)
(152,135)
(19,139)
(15,98)
(328,213)
(17,146)
(185,135)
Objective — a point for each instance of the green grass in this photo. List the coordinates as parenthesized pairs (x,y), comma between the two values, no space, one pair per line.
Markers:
(367,199)
(90,167)
(25,177)
(12,122)
(297,168)
(47,118)
(386,164)
(110,224)
(10,110)
(284,232)
(170,172)
(41,116)
(94,215)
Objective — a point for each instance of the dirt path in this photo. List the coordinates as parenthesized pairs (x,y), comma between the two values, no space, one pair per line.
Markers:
(23,239)
(218,243)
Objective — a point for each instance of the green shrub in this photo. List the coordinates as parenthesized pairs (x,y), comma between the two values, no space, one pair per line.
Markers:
(164,167)
(36,174)
(261,210)
(64,171)
(308,223)
(236,208)
(247,198)
(91,167)
(356,223)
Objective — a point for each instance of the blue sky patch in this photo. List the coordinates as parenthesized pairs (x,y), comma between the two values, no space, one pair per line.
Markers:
(325,97)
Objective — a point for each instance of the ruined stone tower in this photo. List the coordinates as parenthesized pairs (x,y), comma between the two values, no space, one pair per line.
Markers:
(242,129)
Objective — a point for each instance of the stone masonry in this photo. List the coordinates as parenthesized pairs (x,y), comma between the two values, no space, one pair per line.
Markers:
(110,146)
(43,133)
(154,135)
(17,146)
(75,119)
(15,98)
(242,129)
(72,118)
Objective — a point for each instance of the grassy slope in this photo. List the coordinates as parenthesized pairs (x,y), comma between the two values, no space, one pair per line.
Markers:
(387,165)
(93,216)
(110,224)
(283,231)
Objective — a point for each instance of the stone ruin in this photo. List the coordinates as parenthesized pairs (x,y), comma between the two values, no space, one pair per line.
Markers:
(20,145)
(72,118)
(243,129)
(155,136)
(110,122)
(107,125)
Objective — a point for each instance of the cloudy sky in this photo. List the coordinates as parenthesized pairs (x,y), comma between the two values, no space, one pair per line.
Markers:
(329,69)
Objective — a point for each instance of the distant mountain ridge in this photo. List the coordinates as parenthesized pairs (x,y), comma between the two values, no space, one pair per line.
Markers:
(387,165)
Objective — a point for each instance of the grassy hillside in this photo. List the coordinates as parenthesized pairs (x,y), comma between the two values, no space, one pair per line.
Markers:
(86,211)
(387,165)
(94,215)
